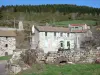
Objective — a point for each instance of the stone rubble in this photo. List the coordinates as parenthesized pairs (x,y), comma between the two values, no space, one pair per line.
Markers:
(75,56)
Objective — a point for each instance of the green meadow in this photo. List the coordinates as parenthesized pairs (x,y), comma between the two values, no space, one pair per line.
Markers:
(68,69)
(66,23)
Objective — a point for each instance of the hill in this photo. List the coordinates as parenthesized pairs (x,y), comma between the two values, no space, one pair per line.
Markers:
(49,13)
(59,14)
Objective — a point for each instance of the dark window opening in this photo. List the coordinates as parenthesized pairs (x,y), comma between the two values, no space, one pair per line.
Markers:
(45,33)
(61,34)
(76,27)
(68,44)
(6,37)
(33,33)
(6,53)
(68,34)
(6,45)
(61,43)
(54,33)
(62,62)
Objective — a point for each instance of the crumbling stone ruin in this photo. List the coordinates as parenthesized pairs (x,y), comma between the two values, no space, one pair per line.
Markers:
(74,56)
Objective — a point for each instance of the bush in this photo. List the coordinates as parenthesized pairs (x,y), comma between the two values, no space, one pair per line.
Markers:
(29,57)
(97,61)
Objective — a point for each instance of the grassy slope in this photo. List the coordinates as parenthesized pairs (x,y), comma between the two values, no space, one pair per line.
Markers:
(78,69)
(56,23)
(66,23)
(5,57)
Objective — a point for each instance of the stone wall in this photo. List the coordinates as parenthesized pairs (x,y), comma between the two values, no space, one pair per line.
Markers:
(35,39)
(7,45)
(75,56)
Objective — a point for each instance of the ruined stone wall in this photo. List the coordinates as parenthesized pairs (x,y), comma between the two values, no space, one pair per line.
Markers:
(35,39)
(75,56)
(7,45)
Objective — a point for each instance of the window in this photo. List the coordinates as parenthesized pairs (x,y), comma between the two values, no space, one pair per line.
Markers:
(6,37)
(76,27)
(6,45)
(6,53)
(72,28)
(54,33)
(68,44)
(61,43)
(61,34)
(45,33)
(68,34)
(33,34)
(80,28)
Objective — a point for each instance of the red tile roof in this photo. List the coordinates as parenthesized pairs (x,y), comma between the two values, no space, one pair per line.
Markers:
(79,31)
(77,24)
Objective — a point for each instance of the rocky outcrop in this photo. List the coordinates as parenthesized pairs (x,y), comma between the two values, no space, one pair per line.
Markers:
(15,64)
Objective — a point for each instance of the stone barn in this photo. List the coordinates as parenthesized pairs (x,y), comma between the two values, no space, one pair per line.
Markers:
(7,41)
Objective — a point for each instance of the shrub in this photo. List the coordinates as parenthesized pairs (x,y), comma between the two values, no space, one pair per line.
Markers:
(29,56)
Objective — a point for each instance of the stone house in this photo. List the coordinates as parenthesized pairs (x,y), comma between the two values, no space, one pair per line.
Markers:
(8,39)
(50,38)
(7,42)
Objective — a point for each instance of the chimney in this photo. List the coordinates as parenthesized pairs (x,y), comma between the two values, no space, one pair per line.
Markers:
(33,29)
(20,26)
(47,24)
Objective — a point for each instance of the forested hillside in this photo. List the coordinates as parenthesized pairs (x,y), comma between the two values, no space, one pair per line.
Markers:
(49,13)
(62,8)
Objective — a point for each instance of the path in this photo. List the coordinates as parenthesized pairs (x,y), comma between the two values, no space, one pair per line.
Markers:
(2,68)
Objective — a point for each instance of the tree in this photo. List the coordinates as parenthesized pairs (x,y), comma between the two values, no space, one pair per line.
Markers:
(29,57)
(1,14)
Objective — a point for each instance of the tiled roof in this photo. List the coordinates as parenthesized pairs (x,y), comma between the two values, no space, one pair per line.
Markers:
(7,33)
(77,24)
(58,29)
(79,31)
(52,29)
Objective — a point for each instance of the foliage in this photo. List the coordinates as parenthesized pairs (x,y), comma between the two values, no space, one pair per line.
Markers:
(29,57)
(96,35)
(0,14)
(77,69)
(62,8)
(49,12)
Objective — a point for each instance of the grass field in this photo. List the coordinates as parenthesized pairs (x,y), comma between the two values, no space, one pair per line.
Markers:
(66,23)
(5,57)
(77,69)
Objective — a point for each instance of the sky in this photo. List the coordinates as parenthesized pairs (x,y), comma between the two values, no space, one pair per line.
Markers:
(91,3)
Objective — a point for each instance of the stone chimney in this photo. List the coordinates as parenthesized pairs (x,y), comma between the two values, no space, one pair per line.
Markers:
(20,26)
(47,24)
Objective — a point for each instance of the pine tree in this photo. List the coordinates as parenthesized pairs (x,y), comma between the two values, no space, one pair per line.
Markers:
(0,14)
